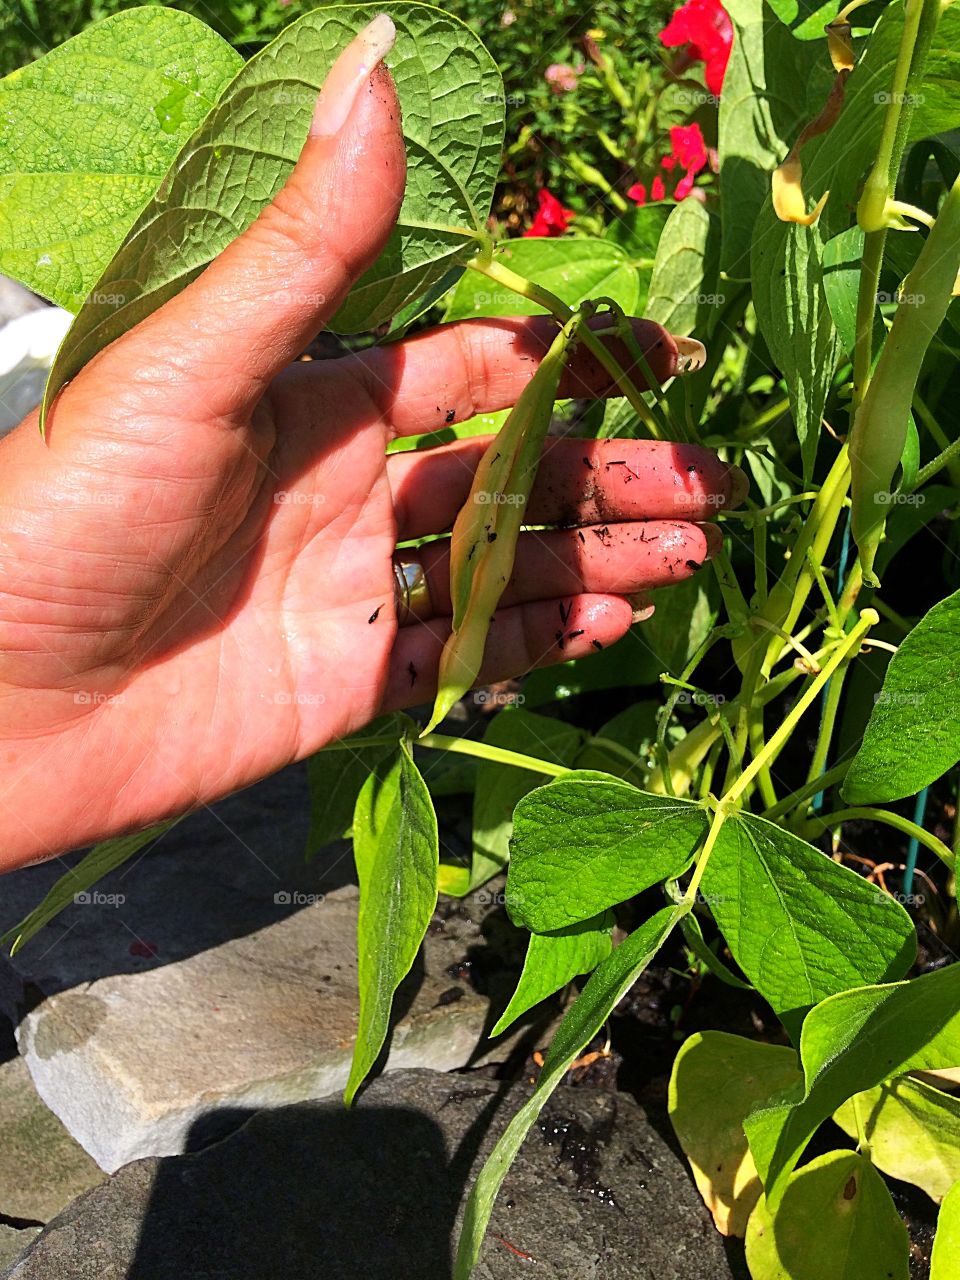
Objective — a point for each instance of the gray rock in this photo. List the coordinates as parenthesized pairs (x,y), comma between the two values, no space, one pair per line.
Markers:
(15,300)
(312,1190)
(219,971)
(41,1168)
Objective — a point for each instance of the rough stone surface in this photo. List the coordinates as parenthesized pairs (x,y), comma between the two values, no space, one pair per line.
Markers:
(41,1168)
(15,300)
(219,971)
(312,1190)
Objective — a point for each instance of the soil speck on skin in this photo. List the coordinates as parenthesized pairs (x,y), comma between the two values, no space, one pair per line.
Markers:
(375,615)
(450,415)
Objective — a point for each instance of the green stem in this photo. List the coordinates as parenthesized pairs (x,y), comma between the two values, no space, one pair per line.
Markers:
(484,751)
(828,722)
(895,820)
(796,798)
(944,459)
(495,270)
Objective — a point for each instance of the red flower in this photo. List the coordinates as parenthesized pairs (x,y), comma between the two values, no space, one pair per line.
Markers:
(706,27)
(657,190)
(689,153)
(637,193)
(552,218)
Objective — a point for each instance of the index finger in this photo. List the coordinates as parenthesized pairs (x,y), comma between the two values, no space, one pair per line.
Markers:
(450,373)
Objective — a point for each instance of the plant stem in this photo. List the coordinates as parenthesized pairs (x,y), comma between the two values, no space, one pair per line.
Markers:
(828,721)
(484,751)
(796,798)
(496,271)
(896,820)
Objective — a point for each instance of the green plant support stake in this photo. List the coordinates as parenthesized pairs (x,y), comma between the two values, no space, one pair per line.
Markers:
(484,541)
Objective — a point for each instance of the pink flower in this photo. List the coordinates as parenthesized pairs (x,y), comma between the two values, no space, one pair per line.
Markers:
(637,193)
(561,77)
(705,26)
(657,190)
(688,153)
(552,218)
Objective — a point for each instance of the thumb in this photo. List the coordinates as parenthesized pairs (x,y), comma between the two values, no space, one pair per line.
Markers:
(262,300)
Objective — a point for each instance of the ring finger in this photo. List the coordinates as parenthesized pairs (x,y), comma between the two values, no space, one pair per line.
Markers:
(609,559)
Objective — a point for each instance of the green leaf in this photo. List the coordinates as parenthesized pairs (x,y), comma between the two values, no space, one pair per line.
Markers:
(335,777)
(836,1219)
(103,858)
(852,1042)
(587,842)
(913,1130)
(684,286)
(913,735)
(624,745)
(86,135)
(604,990)
(553,960)
(946,1245)
(572,269)
(799,925)
(451,95)
(500,787)
(396,845)
(763,105)
(806,18)
(717,1080)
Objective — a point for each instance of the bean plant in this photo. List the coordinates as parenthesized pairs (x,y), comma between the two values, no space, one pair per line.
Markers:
(818,269)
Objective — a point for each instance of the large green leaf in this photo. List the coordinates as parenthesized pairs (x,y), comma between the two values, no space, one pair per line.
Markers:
(913,1131)
(397,849)
(852,1042)
(799,925)
(913,735)
(762,107)
(836,1219)
(86,135)
(946,1245)
(553,960)
(452,99)
(785,268)
(499,787)
(587,842)
(572,269)
(606,987)
(717,1080)
(336,775)
(103,858)
(684,294)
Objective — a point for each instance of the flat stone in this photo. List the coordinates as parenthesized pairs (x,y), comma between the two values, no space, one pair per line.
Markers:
(219,971)
(41,1167)
(312,1189)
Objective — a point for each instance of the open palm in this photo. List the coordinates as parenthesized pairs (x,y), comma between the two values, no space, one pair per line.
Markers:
(196,576)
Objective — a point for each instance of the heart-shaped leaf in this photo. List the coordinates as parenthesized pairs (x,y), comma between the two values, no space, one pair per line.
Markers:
(451,95)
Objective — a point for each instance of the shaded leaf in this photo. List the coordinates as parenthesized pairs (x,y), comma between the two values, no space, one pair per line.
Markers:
(717,1080)
(946,1244)
(683,294)
(836,1219)
(553,960)
(852,1042)
(336,776)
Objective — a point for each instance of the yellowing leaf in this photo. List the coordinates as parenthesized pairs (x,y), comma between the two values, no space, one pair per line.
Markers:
(913,1131)
(717,1079)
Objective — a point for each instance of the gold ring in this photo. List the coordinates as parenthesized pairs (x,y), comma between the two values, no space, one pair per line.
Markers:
(412,591)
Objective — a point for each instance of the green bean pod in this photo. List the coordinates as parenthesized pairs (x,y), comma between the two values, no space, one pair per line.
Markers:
(483,545)
(880,426)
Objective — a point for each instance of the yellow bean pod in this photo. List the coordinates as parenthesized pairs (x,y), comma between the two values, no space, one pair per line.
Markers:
(483,545)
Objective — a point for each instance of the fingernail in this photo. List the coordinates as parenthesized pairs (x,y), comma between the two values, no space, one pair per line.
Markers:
(739,487)
(643,608)
(691,355)
(713,535)
(349,74)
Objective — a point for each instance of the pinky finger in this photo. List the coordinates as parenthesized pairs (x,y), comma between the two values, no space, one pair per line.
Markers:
(520,638)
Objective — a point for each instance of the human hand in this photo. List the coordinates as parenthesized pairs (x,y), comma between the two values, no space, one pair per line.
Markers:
(196,566)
